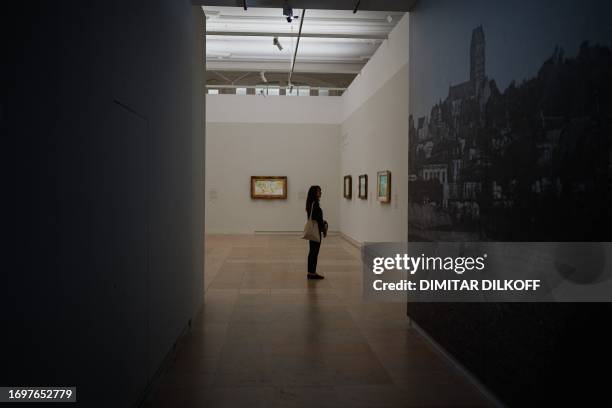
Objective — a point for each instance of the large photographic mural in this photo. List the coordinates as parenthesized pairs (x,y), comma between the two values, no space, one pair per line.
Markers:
(531,162)
(510,139)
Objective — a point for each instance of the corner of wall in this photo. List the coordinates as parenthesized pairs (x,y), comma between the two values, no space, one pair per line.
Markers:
(373,137)
(390,57)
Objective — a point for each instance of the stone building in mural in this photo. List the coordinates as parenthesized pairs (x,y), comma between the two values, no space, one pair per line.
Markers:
(514,165)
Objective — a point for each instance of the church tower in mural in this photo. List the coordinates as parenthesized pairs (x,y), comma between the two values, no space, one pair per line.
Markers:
(477,56)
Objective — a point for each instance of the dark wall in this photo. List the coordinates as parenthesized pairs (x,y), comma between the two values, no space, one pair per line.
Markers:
(511,140)
(103,129)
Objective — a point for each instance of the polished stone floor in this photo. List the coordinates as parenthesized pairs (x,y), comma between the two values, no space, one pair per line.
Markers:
(267,337)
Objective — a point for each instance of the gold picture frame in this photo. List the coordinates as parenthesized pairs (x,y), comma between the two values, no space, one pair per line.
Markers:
(383,186)
(269,187)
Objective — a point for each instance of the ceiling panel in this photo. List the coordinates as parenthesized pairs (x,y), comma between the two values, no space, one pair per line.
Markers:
(334,41)
(392,5)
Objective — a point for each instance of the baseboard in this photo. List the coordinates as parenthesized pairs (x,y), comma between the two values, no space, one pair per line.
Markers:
(351,241)
(263,232)
(259,232)
(484,391)
(163,367)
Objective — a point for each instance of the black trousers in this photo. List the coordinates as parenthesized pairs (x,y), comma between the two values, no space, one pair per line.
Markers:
(313,254)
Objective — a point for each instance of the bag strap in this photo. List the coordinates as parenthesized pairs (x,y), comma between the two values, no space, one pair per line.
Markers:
(311,210)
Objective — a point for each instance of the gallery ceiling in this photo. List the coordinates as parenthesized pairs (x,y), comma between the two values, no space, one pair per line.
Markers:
(392,5)
(334,43)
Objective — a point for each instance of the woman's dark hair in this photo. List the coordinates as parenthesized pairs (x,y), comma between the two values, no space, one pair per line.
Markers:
(312,196)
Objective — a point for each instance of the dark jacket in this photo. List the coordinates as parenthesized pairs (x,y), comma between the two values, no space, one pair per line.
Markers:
(317,215)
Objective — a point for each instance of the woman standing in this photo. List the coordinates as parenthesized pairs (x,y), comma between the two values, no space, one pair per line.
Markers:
(312,205)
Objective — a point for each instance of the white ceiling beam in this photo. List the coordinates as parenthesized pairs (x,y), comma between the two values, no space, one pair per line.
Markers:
(304,35)
(285,66)
(374,5)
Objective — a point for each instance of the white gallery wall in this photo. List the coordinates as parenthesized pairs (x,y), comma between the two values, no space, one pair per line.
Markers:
(314,140)
(270,136)
(374,137)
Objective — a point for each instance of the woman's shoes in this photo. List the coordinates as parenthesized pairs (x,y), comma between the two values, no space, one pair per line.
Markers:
(315,276)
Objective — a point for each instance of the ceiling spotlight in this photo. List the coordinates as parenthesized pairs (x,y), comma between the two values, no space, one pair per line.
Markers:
(262,74)
(389,19)
(278,44)
(288,12)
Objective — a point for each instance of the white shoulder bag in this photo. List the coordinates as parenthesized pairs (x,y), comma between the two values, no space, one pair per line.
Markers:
(311,229)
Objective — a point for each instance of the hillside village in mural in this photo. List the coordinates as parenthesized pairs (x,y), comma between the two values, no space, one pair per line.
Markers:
(530,163)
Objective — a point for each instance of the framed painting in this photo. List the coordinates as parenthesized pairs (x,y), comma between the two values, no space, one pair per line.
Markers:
(363,186)
(269,187)
(348,187)
(383,186)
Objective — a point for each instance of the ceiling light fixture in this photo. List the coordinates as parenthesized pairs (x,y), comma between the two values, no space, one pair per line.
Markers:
(277,43)
(244,4)
(356,7)
(262,74)
(389,19)
(288,12)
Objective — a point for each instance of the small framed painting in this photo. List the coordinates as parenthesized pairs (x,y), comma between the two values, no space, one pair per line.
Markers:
(269,187)
(363,186)
(383,186)
(348,187)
